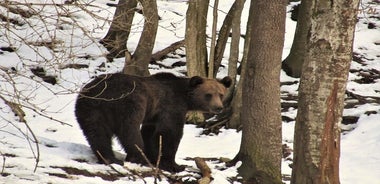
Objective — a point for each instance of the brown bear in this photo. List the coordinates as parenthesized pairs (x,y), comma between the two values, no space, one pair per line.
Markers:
(138,110)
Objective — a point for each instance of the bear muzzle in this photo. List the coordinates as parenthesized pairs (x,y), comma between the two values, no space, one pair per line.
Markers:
(216,109)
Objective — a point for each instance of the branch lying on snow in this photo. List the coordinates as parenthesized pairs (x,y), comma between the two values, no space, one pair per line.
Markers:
(205,170)
(174,46)
(15,107)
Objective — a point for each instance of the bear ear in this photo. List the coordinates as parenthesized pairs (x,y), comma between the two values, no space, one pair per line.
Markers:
(195,81)
(226,81)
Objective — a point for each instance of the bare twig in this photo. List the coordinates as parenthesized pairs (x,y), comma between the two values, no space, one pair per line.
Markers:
(158,160)
(17,110)
(118,172)
(145,157)
(3,166)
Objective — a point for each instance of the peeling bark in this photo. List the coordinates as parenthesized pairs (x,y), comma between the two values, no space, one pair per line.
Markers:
(322,88)
(330,146)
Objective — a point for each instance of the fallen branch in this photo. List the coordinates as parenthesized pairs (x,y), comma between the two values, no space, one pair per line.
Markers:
(205,170)
(162,53)
(15,107)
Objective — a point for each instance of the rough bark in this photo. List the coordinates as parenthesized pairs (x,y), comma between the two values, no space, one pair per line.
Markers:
(196,48)
(260,150)
(322,90)
(195,38)
(117,36)
(292,64)
(138,63)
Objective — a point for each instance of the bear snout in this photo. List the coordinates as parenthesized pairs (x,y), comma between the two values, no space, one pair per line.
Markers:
(217,109)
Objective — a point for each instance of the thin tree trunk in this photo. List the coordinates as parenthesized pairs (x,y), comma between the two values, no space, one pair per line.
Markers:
(322,90)
(213,38)
(195,41)
(196,48)
(260,150)
(292,64)
(117,36)
(236,104)
(234,49)
(138,63)
(223,35)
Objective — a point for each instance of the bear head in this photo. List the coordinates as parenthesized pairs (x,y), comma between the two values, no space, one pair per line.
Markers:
(208,94)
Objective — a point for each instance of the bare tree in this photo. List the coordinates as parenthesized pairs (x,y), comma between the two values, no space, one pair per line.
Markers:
(236,103)
(223,36)
(137,64)
(117,36)
(196,50)
(234,49)
(211,67)
(322,89)
(292,64)
(260,150)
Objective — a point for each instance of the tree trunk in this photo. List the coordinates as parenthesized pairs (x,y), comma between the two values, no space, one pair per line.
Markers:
(223,35)
(195,41)
(116,39)
(196,48)
(234,49)
(236,104)
(211,68)
(260,150)
(322,90)
(138,63)
(292,64)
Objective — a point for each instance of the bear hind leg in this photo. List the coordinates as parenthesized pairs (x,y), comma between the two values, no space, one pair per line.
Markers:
(101,145)
(130,138)
(100,139)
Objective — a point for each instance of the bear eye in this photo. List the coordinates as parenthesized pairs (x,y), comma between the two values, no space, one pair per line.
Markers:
(208,96)
(221,96)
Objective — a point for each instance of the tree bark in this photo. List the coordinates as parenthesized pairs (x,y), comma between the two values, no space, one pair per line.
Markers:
(138,63)
(236,104)
(234,49)
(211,68)
(195,38)
(322,88)
(117,36)
(223,35)
(292,64)
(196,48)
(260,150)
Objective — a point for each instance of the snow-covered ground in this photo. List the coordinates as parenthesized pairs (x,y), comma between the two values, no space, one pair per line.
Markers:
(64,155)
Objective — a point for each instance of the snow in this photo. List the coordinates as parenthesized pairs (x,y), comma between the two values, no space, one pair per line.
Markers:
(60,140)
